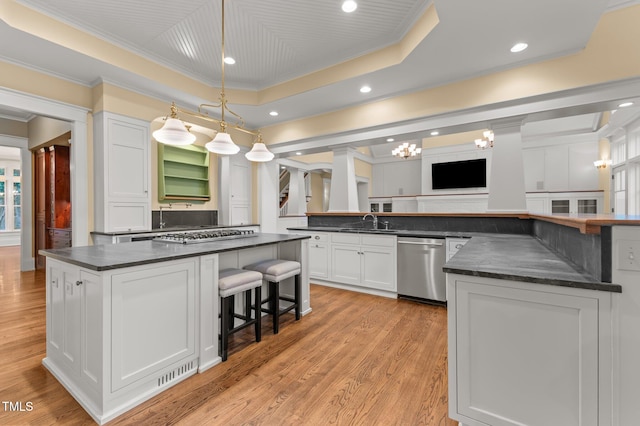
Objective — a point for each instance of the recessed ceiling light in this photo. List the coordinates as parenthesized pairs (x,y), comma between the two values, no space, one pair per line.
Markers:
(298,153)
(273,113)
(229,60)
(390,140)
(349,6)
(625,104)
(365,89)
(519,47)
(435,133)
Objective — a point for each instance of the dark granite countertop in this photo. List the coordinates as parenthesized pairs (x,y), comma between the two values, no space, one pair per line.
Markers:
(171,229)
(397,232)
(520,258)
(503,256)
(115,256)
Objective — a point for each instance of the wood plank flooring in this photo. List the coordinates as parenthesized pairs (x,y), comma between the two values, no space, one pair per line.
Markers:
(355,360)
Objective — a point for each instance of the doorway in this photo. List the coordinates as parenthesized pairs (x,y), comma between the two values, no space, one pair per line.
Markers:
(52,197)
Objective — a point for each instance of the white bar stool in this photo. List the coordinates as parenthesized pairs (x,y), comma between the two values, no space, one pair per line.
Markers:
(275,271)
(232,282)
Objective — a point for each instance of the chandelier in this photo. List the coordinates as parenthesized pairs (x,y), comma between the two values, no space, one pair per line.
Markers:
(486,141)
(175,132)
(405,150)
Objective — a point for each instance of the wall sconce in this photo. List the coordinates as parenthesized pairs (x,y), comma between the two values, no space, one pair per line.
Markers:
(602,164)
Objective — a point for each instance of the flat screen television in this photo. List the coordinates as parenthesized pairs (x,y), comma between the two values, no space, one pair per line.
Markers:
(459,174)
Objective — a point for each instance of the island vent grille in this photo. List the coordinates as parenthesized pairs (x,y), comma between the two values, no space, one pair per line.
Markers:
(177,373)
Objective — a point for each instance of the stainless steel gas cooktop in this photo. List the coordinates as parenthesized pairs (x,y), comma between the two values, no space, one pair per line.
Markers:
(204,236)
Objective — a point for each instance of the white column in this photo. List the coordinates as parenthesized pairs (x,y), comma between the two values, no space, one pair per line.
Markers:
(297,193)
(268,195)
(79,184)
(506,186)
(344,191)
(27,261)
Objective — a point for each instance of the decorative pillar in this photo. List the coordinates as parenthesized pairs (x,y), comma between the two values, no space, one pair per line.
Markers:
(344,191)
(297,194)
(506,186)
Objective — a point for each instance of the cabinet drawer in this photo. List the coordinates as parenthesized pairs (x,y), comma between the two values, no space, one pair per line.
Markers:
(378,240)
(319,238)
(345,238)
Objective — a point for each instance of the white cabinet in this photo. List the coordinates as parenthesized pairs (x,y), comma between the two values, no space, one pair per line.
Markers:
(319,256)
(234,189)
(364,260)
(116,337)
(524,353)
(122,173)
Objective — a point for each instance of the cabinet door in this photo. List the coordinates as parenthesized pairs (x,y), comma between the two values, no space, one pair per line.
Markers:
(92,328)
(379,268)
(128,162)
(318,260)
(523,356)
(345,262)
(153,316)
(63,317)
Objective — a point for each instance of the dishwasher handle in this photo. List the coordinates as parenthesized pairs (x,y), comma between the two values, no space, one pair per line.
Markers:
(421,244)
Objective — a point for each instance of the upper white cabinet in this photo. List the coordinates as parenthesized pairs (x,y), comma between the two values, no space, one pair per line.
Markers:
(234,188)
(122,173)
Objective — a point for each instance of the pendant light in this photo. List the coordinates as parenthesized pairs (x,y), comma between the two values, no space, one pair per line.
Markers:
(174,131)
(222,143)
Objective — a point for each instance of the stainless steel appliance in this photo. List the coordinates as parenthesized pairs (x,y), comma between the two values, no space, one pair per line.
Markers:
(204,236)
(420,276)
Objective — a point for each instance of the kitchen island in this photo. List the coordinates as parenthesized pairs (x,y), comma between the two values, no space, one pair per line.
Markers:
(127,321)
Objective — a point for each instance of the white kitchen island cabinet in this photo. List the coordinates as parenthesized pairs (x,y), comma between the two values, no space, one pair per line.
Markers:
(127,321)
(523,355)
(529,342)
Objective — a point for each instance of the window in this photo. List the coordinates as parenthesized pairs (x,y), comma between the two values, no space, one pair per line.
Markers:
(3,206)
(10,195)
(625,153)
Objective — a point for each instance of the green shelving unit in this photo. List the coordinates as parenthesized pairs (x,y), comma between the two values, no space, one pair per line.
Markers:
(183,173)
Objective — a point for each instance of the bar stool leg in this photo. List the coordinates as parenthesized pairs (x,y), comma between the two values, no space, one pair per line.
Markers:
(258,313)
(224,327)
(297,292)
(274,305)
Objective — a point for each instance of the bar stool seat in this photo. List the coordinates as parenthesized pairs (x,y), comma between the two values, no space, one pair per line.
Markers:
(275,271)
(231,282)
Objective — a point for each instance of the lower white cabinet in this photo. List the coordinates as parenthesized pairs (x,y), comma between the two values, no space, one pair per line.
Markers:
(319,255)
(524,353)
(364,260)
(114,338)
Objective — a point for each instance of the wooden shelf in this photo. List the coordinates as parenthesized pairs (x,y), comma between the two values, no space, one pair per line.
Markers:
(183,173)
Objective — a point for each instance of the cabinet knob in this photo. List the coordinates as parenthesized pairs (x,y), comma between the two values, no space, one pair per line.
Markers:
(459,246)
(317,237)
(79,282)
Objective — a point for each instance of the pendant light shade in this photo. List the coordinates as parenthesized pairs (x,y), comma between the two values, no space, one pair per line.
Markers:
(222,144)
(259,153)
(174,132)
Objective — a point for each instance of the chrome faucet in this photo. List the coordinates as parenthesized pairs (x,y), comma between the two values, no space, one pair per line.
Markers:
(375,219)
(162,224)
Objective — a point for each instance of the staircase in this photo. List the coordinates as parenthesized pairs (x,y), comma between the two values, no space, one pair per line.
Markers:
(285,179)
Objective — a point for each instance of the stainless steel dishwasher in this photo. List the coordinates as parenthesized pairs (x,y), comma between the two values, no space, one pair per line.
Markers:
(420,276)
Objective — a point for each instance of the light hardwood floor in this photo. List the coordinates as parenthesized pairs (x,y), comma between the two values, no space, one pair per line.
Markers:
(355,360)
